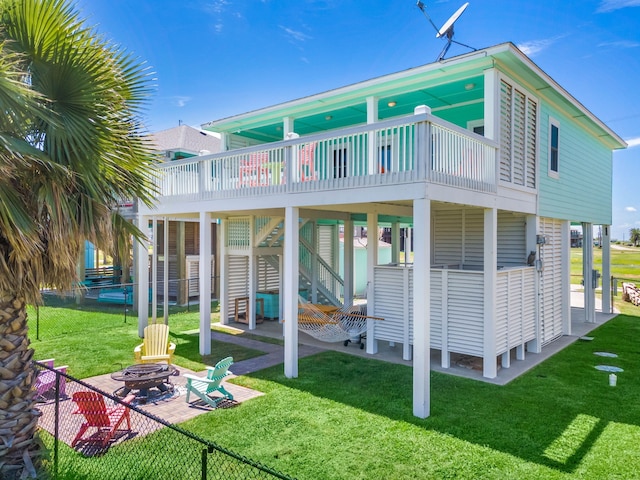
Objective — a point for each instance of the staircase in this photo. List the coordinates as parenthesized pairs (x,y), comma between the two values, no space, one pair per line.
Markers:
(328,285)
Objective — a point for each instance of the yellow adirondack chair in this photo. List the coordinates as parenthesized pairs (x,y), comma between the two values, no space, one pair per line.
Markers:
(156,346)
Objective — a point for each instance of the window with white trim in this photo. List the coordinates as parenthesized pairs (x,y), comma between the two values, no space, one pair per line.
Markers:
(554,147)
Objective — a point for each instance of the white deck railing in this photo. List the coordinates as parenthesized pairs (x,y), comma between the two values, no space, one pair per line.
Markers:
(408,149)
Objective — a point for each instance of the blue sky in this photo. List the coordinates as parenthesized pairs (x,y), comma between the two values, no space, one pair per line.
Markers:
(216,58)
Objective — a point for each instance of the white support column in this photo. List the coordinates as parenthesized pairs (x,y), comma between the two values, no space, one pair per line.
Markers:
(154,272)
(566,277)
(606,269)
(491,103)
(204,272)
(372,261)
(535,345)
(421,308)
(490,367)
(287,126)
(314,262)
(587,267)
(224,272)
(165,270)
(348,262)
(281,289)
(224,142)
(395,242)
(290,293)
(372,117)
(142,276)
(445,355)
(251,310)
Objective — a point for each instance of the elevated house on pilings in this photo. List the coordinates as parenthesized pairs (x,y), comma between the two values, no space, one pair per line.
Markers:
(485,157)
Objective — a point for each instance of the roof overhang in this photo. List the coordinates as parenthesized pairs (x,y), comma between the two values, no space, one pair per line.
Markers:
(438,85)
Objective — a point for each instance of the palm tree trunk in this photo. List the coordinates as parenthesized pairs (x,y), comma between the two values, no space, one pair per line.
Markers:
(18,417)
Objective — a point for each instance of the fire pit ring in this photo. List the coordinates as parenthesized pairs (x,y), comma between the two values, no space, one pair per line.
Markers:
(141,378)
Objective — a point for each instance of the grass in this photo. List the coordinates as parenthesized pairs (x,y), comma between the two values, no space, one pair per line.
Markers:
(346,417)
(625,263)
(94,342)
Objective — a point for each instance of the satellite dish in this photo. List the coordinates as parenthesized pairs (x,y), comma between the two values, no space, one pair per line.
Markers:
(447,29)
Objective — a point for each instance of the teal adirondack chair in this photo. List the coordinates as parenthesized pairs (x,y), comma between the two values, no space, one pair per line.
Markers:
(203,387)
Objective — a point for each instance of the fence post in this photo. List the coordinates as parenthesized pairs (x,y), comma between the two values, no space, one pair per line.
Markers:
(205,452)
(56,436)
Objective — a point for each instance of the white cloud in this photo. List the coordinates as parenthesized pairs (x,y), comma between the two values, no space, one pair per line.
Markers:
(295,35)
(633,142)
(630,209)
(536,46)
(620,44)
(611,5)
(180,101)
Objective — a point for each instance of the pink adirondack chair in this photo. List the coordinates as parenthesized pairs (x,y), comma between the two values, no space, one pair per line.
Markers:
(46,379)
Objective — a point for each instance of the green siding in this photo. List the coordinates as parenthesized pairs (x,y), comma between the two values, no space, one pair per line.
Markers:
(582,192)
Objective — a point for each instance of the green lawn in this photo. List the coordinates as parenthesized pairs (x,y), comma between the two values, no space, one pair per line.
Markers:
(625,263)
(346,417)
(350,418)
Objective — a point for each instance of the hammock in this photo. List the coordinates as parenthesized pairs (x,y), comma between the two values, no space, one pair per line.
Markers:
(344,324)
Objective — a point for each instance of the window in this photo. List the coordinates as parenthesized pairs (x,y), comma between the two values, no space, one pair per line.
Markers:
(476,126)
(554,144)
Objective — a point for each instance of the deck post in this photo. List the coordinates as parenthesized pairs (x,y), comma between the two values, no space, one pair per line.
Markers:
(251,310)
(372,261)
(372,117)
(290,297)
(204,283)
(421,308)
(587,268)
(142,276)
(490,366)
(566,276)
(348,262)
(606,269)
(224,268)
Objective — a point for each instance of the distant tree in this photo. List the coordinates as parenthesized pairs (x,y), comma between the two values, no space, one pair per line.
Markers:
(634,236)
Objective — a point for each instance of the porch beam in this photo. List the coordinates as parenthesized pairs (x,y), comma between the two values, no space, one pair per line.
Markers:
(290,294)
(251,314)
(204,283)
(421,309)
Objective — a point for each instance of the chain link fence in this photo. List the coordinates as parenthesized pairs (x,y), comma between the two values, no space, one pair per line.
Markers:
(91,434)
(94,307)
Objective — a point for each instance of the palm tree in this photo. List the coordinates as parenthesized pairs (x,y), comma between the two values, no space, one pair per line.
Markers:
(634,236)
(71,146)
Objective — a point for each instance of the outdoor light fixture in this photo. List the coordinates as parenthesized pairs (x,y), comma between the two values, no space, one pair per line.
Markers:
(328,117)
(469,86)
(392,103)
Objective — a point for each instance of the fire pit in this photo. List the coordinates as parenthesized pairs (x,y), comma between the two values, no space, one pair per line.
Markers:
(141,378)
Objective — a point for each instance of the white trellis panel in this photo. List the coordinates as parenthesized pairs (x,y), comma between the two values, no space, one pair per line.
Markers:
(515,308)
(551,281)
(465,308)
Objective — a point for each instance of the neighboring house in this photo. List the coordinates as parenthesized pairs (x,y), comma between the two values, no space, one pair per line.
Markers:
(181,278)
(484,156)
